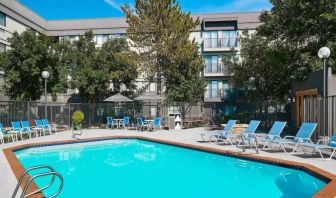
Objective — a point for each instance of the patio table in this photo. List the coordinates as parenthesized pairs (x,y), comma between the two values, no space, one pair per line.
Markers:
(149,123)
(119,121)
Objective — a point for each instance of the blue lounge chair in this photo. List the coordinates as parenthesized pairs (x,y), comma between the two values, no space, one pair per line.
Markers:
(48,127)
(248,134)
(302,137)
(317,148)
(253,125)
(39,127)
(16,129)
(4,134)
(227,130)
(273,134)
(27,129)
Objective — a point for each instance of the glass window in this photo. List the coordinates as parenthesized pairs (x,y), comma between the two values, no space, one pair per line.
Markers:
(2,19)
(105,38)
(2,47)
(230,38)
(99,39)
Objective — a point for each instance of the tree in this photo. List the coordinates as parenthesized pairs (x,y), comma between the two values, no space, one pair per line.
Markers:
(30,54)
(88,71)
(161,31)
(301,27)
(121,63)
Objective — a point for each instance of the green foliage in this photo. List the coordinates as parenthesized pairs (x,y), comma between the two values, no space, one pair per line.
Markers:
(89,74)
(284,48)
(93,69)
(77,118)
(30,54)
(161,30)
(121,63)
(302,27)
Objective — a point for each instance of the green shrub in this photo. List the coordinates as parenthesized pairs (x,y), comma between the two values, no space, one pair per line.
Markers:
(77,119)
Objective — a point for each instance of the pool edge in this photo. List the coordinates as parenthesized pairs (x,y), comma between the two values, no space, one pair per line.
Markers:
(328,191)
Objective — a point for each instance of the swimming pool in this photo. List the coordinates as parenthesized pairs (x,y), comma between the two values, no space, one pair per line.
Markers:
(137,168)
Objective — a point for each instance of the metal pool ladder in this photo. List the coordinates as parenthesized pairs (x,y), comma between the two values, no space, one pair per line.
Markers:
(243,142)
(50,171)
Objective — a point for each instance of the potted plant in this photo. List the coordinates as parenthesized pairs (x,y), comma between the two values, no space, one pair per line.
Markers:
(77,119)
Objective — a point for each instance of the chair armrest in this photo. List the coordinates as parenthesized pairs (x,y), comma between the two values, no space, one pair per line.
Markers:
(323,141)
(289,137)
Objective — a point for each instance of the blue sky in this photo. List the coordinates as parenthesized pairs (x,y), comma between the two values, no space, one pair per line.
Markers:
(81,9)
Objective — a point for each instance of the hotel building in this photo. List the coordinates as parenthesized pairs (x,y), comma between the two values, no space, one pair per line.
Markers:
(216,36)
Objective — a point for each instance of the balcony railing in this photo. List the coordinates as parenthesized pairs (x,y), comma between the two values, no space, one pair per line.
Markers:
(211,68)
(231,93)
(220,42)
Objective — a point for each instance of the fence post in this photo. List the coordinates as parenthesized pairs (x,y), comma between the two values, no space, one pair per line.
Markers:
(28,108)
(69,116)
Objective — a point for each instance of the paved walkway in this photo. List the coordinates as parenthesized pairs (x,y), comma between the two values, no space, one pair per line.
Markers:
(189,136)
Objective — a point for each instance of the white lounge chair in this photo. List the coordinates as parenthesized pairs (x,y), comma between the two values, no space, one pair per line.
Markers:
(273,134)
(302,137)
(207,136)
(317,148)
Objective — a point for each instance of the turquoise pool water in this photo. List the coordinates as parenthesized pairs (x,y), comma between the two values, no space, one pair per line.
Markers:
(136,168)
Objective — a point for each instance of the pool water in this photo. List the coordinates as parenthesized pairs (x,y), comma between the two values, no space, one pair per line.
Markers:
(132,168)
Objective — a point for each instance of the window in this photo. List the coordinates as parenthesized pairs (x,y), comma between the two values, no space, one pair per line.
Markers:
(99,39)
(212,64)
(2,19)
(211,39)
(2,47)
(230,38)
(152,87)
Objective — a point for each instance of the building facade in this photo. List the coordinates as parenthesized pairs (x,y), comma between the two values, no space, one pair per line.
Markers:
(216,36)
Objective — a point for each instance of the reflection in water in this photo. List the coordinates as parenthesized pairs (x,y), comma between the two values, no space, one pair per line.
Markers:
(295,182)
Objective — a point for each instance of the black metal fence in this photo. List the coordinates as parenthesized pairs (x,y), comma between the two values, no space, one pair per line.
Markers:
(95,113)
(322,111)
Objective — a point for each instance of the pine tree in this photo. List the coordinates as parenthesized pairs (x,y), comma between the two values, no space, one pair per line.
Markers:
(161,30)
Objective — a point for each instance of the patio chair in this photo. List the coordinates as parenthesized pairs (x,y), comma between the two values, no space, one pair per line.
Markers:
(27,129)
(248,134)
(227,130)
(39,127)
(317,148)
(111,123)
(141,124)
(4,134)
(48,127)
(302,137)
(16,129)
(273,134)
(125,122)
(156,123)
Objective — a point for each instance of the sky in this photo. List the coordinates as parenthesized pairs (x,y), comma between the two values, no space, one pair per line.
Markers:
(82,9)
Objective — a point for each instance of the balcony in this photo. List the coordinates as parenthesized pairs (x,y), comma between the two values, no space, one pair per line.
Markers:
(220,95)
(215,69)
(219,44)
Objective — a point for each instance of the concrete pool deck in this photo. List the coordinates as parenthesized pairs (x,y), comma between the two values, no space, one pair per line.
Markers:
(191,137)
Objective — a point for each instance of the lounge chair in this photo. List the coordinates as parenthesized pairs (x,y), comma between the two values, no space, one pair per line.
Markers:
(248,131)
(48,127)
(206,137)
(4,134)
(273,134)
(302,137)
(39,127)
(16,129)
(248,134)
(27,129)
(317,148)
